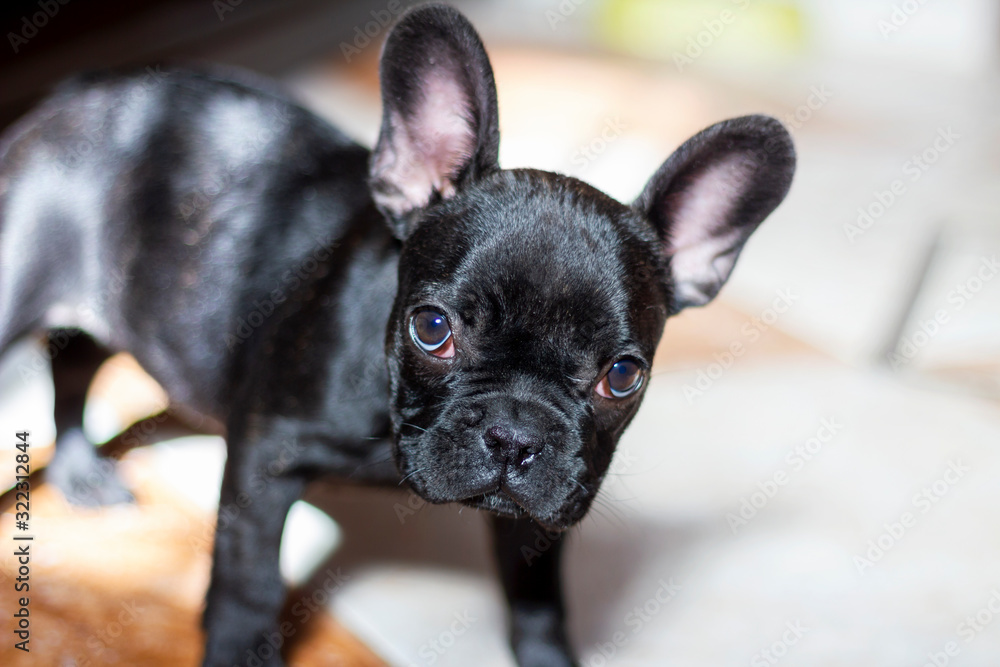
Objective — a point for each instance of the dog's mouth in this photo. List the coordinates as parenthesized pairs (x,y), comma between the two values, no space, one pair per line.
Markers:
(491,490)
(502,504)
(498,502)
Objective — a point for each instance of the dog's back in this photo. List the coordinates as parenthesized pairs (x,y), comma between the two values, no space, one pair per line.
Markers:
(216,190)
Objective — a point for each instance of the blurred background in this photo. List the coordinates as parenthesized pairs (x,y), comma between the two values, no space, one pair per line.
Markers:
(814,477)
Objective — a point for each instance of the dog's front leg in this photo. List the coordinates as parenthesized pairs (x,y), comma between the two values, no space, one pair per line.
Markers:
(246,592)
(528,559)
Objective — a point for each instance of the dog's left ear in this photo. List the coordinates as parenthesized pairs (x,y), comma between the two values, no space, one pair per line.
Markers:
(711,194)
(440,127)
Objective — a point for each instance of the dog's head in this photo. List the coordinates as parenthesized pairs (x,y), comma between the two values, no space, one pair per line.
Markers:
(530,304)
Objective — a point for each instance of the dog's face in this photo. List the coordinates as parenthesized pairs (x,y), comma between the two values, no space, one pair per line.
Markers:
(530,304)
(527,316)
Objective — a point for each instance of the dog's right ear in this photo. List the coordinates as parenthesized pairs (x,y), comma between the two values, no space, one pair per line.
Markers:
(440,129)
(710,195)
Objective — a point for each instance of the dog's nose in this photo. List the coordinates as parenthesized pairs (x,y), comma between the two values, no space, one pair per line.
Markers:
(514,445)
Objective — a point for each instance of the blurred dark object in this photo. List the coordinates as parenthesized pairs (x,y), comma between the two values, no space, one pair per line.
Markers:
(45,41)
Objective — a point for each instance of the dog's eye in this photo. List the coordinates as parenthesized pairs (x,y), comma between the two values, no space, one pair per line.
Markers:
(624,378)
(431,333)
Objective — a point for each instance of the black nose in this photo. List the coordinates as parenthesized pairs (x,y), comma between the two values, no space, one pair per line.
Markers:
(514,445)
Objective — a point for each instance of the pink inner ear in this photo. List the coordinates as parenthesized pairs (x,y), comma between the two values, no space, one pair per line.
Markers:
(429,148)
(701,242)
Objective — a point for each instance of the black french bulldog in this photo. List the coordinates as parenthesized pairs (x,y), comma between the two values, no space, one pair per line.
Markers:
(409,313)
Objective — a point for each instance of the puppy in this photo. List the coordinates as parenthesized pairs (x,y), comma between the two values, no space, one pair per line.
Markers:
(413,312)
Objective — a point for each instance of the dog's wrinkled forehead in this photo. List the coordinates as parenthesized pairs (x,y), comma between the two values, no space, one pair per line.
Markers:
(537,259)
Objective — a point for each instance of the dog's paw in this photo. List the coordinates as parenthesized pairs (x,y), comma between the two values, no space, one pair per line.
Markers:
(83,476)
(539,639)
(538,652)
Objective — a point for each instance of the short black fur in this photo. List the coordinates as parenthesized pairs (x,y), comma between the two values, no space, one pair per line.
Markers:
(266,271)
